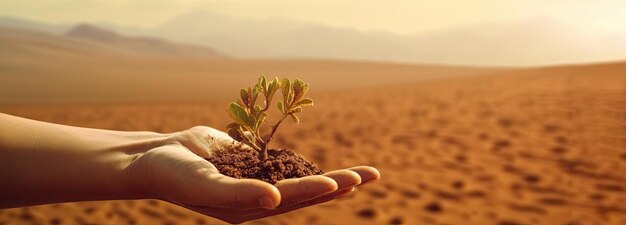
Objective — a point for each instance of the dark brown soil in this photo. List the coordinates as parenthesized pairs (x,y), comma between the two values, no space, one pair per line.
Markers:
(245,163)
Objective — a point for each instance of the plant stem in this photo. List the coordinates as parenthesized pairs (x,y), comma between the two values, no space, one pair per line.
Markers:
(251,142)
(263,149)
(253,145)
(271,135)
(267,103)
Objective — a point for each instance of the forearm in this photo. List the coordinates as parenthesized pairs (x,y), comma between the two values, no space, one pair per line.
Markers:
(46,163)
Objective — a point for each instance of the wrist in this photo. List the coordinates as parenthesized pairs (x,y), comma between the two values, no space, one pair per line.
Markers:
(129,177)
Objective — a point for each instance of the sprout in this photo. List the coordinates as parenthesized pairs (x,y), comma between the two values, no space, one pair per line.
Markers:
(248,116)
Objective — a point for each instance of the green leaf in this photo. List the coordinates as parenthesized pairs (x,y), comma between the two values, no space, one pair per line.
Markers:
(280,106)
(253,96)
(244,97)
(257,109)
(238,101)
(304,102)
(305,88)
(290,99)
(285,85)
(298,87)
(263,83)
(271,90)
(238,114)
(295,110)
(272,87)
(295,118)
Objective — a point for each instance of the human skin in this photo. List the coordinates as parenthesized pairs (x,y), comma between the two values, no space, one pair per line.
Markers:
(42,163)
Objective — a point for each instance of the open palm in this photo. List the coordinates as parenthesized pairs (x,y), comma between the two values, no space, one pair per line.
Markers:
(175,171)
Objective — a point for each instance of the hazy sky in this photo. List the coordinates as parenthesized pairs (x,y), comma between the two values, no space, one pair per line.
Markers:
(400,16)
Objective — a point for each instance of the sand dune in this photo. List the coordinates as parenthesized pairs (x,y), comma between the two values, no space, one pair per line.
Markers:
(139,45)
(533,146)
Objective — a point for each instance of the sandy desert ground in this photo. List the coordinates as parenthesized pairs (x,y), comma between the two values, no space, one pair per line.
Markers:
(542,146)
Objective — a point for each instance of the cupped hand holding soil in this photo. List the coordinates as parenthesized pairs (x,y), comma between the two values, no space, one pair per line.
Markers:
(176,170)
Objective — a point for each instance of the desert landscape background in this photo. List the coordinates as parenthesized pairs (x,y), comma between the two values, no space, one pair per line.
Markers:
(455,143)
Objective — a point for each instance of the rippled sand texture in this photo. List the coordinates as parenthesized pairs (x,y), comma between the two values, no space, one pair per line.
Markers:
(538,146)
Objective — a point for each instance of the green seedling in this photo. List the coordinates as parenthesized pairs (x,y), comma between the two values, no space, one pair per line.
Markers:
(248,116)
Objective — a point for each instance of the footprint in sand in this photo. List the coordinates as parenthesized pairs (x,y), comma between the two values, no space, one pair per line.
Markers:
(378,194)
(611,188)
(532,178)
(550,128)
(500,145)
(505,122)
(527,208)
(476,194)
(89,210)
(200,221)
(561,140)
(458,184)
(509,222)
(55,221)
(483,136)
(433,207)
(553,201)
(597,197)
(367,213)
(558,150)
(396,220)
(460,158)
(410,194)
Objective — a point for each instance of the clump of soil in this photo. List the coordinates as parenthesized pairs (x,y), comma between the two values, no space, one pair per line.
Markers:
(246,163)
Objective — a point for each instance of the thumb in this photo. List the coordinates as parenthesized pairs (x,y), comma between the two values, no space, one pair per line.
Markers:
(202,140)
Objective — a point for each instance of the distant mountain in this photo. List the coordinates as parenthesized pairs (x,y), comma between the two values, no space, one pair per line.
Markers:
(276,37)
(40,67)
(531,42)
(12,22)
(143,45)
(538,41)
(27,46)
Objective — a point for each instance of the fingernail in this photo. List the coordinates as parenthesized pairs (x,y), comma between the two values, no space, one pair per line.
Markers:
(266,202)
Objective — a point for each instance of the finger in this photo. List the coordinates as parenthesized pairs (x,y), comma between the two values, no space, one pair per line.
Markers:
(281,210)
(368,174)
(217,190)
(295,190)
(345,178)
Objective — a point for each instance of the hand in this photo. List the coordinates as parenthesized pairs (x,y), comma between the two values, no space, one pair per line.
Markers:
(174,170)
